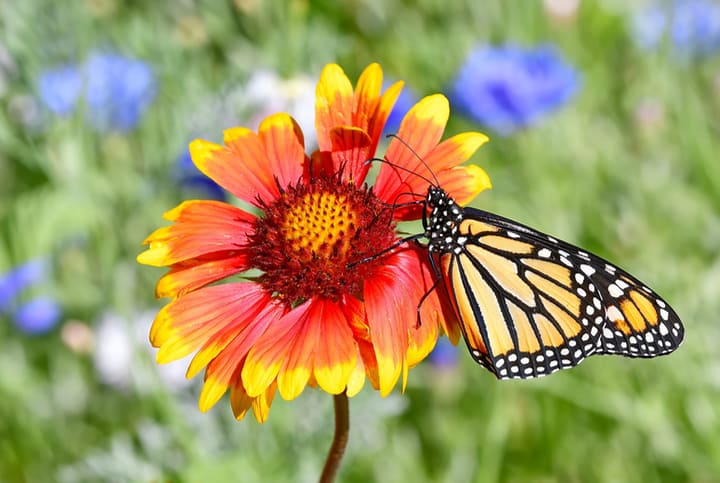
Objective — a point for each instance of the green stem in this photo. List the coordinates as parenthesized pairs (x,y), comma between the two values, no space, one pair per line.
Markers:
(342,429)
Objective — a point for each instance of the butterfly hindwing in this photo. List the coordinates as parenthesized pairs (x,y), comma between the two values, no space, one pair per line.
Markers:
(530,304)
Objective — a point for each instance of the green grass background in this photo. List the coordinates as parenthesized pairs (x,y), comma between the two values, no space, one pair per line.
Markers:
(646,196)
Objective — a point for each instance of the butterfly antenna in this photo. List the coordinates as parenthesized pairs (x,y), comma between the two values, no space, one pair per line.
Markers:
(419,201)
(419,158)
(401,168)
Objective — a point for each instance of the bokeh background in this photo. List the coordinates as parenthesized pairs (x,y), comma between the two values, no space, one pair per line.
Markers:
(604,118)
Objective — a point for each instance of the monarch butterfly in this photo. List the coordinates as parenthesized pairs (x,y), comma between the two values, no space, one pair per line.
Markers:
(529,304)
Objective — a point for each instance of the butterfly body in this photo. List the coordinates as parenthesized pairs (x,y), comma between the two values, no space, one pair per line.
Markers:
(529,304)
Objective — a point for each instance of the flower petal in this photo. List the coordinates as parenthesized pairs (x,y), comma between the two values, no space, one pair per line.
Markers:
(350,147)
(201,227)
(419,133)
(284,147)
(188,322)
(271,353)
(241,402)
(354,311)
(371,109)
(455,150)
(357,379)
(261,404)
(190,275)
(367,94)
(313,339)
(250,163)
(238,336)
(336,353)
(215,386)
(418,161)
(370,113)
(241,168)
(297,367)
(366,110)
(464,183)
(228,364)
(422,336)
(390,312)
(333,104)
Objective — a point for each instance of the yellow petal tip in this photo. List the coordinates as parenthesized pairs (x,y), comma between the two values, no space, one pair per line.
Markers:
(154,256)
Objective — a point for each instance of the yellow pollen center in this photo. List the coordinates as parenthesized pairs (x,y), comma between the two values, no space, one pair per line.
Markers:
(320,225)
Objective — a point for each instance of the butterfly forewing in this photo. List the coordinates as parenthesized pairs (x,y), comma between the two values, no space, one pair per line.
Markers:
(638,322)
(530,304)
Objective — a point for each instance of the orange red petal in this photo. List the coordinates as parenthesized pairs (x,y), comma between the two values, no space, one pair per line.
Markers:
(185,277)
(313,342)
(356,381)
(463,183)
(333,104)
(189,322)
(455,150)
(228,363)
(201,228)
(422,336)
(297,365)
(268,355)
(337,106)
(390,312)
(284,147)
(241,402)
(249,163)
(336,353)
(238,336)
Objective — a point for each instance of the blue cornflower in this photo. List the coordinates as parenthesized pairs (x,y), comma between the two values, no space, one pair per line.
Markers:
(37,316)
(118,91)
(15,281)
(191,177)
(444,355)
(506,88)
(60,88)
(691,26)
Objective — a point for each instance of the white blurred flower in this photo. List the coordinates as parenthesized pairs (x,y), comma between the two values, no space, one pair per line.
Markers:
(124,359)
(264,93)
(113,351)
(561,11)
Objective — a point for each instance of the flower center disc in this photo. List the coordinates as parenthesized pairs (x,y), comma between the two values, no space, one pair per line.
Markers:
(321,225)
(311,238)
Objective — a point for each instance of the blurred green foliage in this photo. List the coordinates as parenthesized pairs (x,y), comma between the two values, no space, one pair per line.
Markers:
(628,170)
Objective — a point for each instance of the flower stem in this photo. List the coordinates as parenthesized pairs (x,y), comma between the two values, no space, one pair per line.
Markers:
(342,428)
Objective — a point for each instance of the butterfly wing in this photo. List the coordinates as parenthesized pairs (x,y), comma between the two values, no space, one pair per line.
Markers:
(530,305)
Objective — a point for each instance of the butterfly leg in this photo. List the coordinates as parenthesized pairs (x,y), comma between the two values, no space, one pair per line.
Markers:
(438,279)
